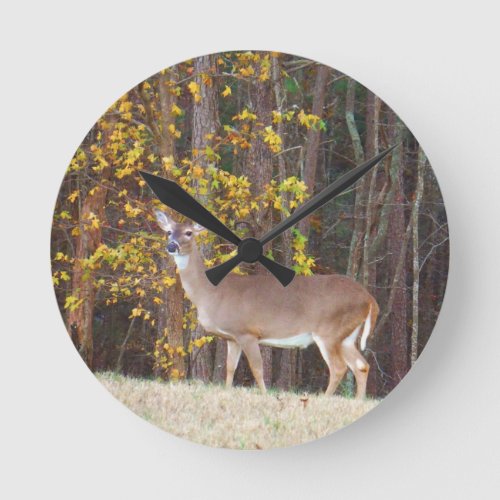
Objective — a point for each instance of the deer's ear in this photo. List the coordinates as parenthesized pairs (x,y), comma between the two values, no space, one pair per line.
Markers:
(163,221)
(197,228)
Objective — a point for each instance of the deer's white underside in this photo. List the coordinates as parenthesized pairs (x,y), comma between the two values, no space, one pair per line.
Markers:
(301,341)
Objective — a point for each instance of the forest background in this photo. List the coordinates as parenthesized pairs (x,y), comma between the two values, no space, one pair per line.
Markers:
(251,135)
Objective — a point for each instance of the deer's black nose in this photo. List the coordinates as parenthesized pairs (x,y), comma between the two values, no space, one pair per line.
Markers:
(172,247)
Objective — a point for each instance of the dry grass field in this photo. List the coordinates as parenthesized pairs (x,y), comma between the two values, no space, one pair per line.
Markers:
(239,417)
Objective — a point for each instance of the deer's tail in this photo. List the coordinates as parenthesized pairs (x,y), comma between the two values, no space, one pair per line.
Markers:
(369,325)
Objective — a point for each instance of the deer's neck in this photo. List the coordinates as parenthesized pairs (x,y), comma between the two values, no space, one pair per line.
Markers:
(194,280)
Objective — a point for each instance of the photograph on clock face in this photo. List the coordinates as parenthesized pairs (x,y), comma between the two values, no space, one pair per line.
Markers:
(189,297)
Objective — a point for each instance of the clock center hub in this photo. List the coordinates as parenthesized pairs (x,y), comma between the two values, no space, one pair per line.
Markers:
(250,249)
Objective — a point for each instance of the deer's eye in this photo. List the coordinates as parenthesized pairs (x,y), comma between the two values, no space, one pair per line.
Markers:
(189,233)
(169,233)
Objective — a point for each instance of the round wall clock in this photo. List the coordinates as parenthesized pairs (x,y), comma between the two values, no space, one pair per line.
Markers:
(249,250)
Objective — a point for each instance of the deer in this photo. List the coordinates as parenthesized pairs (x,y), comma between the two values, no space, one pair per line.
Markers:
(248,311)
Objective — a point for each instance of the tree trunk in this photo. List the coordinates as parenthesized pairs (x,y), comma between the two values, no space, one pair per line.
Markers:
(286,377)
(397,226)
(260,166)
(381,215)
(419,191)
(371,149)
(205,125)
(359,155)
(313,137)
(80,320)
(219,371)
(172,310)
(123,346)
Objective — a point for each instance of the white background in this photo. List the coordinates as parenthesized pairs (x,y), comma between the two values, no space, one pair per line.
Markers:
(436,64)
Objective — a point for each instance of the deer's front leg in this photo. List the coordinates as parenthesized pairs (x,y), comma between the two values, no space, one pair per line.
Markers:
(251,349)
(233,357)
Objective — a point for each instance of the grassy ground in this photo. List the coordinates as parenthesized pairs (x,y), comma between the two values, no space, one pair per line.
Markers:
(235,418)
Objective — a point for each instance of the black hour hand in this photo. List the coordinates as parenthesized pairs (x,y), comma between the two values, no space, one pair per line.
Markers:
(282,273)
(172,195)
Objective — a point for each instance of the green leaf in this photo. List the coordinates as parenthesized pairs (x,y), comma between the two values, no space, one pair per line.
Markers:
(291,85)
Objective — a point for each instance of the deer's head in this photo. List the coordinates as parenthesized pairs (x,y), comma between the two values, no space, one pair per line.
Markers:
(181,237)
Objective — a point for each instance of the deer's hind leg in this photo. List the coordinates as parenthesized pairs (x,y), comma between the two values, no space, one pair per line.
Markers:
(331,352)
(356,362)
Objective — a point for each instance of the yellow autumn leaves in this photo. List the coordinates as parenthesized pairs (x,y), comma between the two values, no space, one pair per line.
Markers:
(126,140)
(245,115)
(272,139)
(72,303)
(309,120)
(176,111)
(73,196)
(303,263)
(164,353)
(173,130)
(194,88)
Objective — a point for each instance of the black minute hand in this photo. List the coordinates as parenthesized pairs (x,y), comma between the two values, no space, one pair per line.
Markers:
(217,273)
(334,189)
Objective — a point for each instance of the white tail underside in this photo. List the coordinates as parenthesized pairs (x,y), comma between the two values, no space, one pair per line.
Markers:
(351,340)
(366,330)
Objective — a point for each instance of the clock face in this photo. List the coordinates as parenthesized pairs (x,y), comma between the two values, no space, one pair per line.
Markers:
(316,324)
